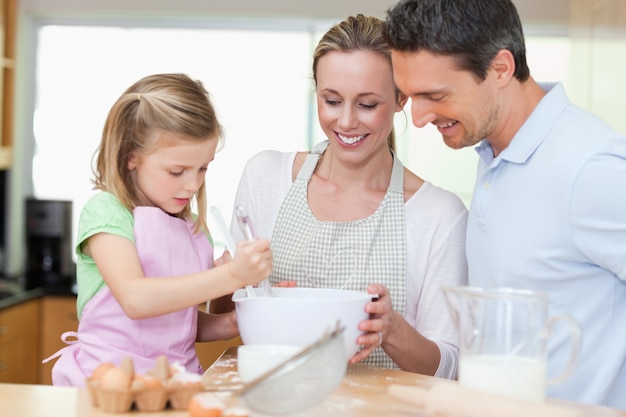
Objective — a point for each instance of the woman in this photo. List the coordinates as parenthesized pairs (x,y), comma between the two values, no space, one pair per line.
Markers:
(349,215)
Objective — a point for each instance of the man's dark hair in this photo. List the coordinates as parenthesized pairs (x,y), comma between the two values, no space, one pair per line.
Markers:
(471,31)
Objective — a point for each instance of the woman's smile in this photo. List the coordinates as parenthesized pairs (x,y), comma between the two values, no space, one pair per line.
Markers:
(351,140)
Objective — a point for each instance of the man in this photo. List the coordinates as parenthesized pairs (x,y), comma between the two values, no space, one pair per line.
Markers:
(549,206)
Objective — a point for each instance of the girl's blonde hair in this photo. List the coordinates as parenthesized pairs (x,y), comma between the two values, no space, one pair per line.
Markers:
(171,102)
(356,33)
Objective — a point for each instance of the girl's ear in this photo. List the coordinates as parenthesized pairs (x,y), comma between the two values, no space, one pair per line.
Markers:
(402,99)
(132,161)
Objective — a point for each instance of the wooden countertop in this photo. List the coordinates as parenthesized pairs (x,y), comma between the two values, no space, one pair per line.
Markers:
(362,393)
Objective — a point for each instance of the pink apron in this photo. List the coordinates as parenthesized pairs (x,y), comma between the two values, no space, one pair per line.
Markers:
(167,247)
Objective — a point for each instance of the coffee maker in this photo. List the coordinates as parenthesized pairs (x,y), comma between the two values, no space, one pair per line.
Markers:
(49,261)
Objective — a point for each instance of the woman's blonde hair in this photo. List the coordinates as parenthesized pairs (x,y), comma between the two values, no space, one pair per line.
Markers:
(356,33)
(171,102)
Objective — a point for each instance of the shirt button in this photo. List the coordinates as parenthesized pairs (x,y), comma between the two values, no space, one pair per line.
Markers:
(486,185)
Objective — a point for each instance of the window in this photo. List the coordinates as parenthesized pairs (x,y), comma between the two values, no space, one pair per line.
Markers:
(259,80)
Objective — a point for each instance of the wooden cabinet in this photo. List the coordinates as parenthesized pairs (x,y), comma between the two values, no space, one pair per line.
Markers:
(8,19)
(58,315)
(19,341)
(208,352)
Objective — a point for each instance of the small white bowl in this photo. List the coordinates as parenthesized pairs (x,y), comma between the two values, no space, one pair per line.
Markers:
(255,360)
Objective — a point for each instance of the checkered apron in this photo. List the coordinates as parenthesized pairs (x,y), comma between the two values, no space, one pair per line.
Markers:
(343,255)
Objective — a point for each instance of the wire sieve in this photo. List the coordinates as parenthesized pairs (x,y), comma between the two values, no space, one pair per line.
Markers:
(302,381)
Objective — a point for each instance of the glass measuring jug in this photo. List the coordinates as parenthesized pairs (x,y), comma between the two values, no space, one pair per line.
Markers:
(503,335)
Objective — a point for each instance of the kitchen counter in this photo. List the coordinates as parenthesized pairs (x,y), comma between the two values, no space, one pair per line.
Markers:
(362,393)
(9,296)
(13,292)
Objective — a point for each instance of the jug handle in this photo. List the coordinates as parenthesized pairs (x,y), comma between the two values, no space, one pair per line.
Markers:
(574,329)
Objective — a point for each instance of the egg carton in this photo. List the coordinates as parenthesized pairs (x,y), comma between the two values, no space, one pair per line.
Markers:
(119,389)
(145,399)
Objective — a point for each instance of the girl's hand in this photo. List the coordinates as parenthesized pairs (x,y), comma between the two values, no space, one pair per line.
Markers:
(223,259)
(252,262)
(380,324)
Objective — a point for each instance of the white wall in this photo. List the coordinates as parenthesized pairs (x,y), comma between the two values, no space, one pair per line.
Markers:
(598,59)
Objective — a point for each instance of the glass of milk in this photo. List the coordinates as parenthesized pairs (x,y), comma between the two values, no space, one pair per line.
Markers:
(503,336)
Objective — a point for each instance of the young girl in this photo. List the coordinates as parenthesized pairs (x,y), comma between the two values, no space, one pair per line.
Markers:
(144,260)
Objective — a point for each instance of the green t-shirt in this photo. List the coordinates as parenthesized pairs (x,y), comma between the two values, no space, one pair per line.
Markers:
(102,213)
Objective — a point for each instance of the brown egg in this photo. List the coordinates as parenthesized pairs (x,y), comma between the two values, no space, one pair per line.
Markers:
(101,369)
(145,381)
(205,405)
(115,379)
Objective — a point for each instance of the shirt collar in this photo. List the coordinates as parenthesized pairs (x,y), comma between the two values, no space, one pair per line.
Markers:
(533,131)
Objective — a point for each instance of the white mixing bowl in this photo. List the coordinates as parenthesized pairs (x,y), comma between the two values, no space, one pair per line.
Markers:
(299,316)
